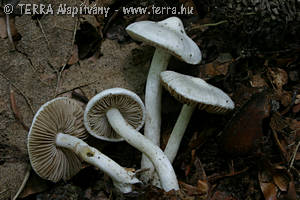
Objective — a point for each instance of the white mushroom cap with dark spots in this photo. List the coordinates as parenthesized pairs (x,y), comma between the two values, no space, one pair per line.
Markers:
(60,115)
(169,35)
(128,103)
(190,90)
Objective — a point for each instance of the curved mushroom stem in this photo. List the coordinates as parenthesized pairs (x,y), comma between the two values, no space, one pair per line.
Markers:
(153,92)
(176,136)
(122,179)
(160,161)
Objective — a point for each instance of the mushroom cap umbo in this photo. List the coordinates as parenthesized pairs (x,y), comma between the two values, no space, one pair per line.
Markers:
(60,115)
(190,90)
(169,35)
(128,103)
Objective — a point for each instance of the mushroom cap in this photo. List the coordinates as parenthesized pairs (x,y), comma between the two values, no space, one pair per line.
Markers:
(60,115)
(169,35)
(190,90)
(128,103)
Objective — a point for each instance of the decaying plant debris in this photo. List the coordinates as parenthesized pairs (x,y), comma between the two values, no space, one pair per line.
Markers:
(248,47)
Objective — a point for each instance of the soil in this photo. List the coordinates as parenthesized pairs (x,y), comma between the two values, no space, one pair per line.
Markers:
(248,47)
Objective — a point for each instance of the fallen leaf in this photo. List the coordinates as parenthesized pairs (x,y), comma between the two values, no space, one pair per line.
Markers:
(281,181)
(278,77)
(203,186)
(15,110)
(191,190)
(74,58)
(35,184)
(291,194)
(222,196)
(285,98)
(267,187)
(242,132)
(214,69)
(217,67)
(296,108)
(257,81)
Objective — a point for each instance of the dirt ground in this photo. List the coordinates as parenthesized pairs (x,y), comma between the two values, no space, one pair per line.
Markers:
(250,50)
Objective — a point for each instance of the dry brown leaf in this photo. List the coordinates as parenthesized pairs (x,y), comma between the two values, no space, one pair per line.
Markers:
(291,194)
(74,58)
(191,190)
(257,81)
(267,187)
(214,69)
(285,98)
(297,156)
(203,186)
(297,101)
(296,108)
(279,77)
(269,190)
(15,110)
(222,196)
(281,181)
(241,134)
(35,184)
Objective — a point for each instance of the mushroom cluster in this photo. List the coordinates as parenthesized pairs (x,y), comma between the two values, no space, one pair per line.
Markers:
(56,147)
(169,38)
(56,138)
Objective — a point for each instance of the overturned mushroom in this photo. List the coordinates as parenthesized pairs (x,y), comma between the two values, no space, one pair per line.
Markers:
(55,145)
(120,112)
(169,38)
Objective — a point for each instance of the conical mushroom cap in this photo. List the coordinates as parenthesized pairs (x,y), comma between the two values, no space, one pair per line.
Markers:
(190,90)
(169,35)
(128,103)
(60,115)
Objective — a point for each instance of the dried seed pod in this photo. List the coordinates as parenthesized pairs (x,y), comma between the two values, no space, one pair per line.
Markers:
(245,128)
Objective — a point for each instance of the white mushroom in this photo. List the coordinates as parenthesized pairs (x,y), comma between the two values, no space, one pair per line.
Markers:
(193,92)
(169,38)
(55,145)
(121,111)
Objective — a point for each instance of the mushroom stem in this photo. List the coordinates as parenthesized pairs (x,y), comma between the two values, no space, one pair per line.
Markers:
(176,136)
(159,159)
(178,131)
(153,92)
(122,179)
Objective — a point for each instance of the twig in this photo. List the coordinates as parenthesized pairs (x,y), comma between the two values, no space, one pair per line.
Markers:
(20,91)
(74,34)
(59,78)
(281,148)
(80,86)
(44,34)
(9,32)
(214,178)
(63,68)
(140,171)
(15,109)
(23,183)
(113,17)
(80,97)
(200,26)
(294,156)
(3,191)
